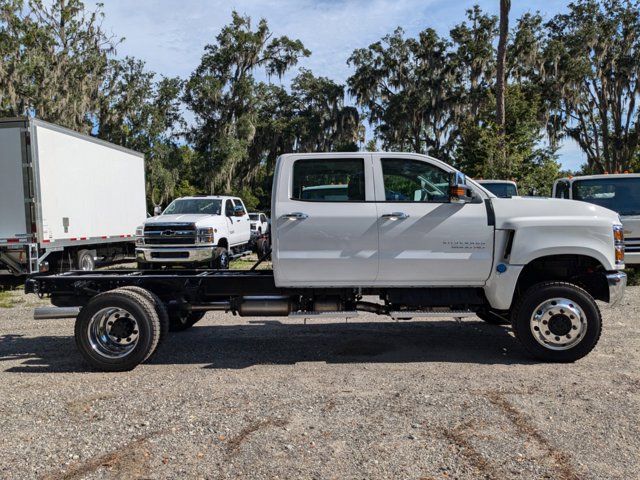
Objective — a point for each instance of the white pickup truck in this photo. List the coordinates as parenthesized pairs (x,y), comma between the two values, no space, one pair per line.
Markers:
(619,192)
(405,228)
(194,231)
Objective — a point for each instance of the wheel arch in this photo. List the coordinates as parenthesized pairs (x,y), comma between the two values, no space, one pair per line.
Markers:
(585,271)
(223,242)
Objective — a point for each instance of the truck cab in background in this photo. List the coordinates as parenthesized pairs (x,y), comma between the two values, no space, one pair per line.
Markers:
(500,188)
(617,192)
(195,231)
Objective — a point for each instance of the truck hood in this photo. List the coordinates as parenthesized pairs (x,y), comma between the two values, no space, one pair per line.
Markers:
(538,211)
(182,218)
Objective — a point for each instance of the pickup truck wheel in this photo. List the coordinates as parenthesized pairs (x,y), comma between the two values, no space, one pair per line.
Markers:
(86,261)
(117,330)
(557,321)
(161,309)
(492,317)
(179,321)
(221,259)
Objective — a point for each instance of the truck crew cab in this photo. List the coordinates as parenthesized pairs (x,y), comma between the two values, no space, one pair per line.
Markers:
(619,192)
(406,228)
(207,230)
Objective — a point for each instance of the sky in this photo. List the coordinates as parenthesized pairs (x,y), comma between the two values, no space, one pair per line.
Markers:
(170,34)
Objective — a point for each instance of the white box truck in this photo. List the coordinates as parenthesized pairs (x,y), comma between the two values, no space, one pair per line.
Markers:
(66,199)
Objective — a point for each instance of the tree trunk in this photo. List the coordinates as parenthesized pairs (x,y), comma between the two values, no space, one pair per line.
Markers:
(505,6)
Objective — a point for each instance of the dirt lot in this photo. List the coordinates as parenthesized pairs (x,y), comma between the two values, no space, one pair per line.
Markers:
(250,398)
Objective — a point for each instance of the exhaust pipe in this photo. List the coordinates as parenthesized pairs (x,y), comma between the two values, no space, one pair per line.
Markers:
(51,313)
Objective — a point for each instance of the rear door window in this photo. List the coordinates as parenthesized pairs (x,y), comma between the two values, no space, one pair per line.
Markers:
(334,180)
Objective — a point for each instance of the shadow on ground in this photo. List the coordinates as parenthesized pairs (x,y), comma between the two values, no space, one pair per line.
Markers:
(271,342)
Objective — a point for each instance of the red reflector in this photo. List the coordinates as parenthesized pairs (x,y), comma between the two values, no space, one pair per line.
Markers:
(104,236)
(83,238)
(13,240)
(73,239)
(46,241)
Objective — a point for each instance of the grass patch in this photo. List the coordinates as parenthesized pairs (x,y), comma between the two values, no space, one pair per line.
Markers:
(7,300)
(633,276)
(247,263)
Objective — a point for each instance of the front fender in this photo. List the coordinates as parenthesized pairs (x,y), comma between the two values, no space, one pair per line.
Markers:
(595,241)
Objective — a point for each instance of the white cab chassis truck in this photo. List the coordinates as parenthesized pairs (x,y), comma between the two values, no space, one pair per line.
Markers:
(66,199)
(407,229)
(195,231)
(619,192)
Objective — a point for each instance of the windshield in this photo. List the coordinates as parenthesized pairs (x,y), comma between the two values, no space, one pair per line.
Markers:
(621,195)
(501,190)
(203,206)
(253,216)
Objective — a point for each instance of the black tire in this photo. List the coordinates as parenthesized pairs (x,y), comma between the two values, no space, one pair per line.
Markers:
(220,259)
(492,317)
(146,322)
(180,320)
(85,261)
(580,339)
(161,309)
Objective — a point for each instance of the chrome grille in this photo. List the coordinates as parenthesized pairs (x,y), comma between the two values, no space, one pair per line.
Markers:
(632,244)
(170,234)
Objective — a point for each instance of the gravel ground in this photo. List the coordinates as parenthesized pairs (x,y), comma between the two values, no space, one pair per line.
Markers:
(234,398)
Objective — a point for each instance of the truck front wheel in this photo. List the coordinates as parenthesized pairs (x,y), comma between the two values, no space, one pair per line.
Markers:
(557,321)
(221,259)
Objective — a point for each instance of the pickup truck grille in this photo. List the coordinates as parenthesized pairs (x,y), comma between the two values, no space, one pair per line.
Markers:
(632,245)
(170,234)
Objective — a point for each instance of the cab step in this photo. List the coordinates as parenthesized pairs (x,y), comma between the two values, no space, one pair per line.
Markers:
(431,313)
(310,315)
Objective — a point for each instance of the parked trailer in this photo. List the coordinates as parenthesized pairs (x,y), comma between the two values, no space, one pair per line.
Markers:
(66,199)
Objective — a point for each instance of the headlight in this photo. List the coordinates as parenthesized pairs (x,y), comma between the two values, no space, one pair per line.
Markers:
(618,240)
(140,235)
(205,235)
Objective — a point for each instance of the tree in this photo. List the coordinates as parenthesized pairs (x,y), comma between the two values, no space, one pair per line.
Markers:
(406,87)
(505,6)
(221,93)
(54,59)
(593,78)
(143,114)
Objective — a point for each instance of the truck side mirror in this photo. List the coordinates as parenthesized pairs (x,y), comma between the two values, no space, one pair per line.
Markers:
(458,190)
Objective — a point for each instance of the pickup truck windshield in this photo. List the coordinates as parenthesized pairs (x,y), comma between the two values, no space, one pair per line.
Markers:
(254,216)
(203,206)
(502,190)
(621,195)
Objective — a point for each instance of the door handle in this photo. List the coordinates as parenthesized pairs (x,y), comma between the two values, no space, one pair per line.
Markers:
(395,216)
(295,216)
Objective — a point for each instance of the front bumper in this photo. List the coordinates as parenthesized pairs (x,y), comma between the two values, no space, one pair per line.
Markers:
(617,282)
(175,255)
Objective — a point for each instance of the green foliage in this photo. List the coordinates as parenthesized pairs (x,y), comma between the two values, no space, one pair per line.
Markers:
(576,75)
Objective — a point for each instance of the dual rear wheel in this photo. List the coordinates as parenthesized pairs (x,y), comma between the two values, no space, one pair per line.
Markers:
(119,329)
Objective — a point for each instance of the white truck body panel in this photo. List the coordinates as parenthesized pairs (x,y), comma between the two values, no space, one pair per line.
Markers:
(98,188)
(338,241)
(60,189)
(349,243)
(13,221)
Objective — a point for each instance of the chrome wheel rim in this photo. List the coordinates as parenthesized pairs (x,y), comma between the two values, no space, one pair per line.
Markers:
(558,324)
(113,332)
(86,263)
